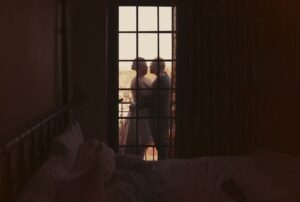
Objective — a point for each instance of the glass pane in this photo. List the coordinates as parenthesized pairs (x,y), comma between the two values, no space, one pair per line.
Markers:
(126,74)
(148,46)
(165,18)
(124,109)
(165,46)
(127,46)
(147,18)
(126,97)
(168,69)
(150,154)
(174,18)
(127,18)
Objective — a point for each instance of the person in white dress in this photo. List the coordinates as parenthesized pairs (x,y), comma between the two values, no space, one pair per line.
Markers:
(137,132)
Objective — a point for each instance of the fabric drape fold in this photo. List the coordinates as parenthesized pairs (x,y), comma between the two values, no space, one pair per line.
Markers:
(214,82)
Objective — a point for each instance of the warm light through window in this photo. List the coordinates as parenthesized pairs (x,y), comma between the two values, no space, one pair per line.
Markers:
(147,32)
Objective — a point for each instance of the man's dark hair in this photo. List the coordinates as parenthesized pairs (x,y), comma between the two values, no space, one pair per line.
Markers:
(161,63)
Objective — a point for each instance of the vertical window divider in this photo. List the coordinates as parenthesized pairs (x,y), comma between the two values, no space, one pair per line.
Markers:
(172,69)
(158,80)
(137,81)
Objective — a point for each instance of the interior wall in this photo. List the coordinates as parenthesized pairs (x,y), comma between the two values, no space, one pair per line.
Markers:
(276,75)
(88,64)
(27,63)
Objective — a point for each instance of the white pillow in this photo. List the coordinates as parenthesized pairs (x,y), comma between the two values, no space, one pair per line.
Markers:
(93,153)
(66,145)
(94,167)
(89,155)
(42,186)
(75,130)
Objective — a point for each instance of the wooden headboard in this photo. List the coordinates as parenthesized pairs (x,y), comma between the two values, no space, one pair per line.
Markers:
(21,157)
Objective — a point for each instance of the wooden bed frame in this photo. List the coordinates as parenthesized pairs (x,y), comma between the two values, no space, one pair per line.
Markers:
(21,157)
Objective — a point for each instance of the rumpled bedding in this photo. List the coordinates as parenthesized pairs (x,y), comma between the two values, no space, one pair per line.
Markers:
(133,181)
(200,180)
(193,180)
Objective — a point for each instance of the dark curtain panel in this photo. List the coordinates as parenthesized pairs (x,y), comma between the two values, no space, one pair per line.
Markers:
(215,45)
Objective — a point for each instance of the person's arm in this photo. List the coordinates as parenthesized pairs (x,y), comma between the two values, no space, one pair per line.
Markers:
(146,100)
(142,103)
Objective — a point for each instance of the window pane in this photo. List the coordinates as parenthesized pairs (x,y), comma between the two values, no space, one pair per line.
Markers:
(148,46)
(127,46)
(165,46)
(168,69)
(127,18)
(126,74)
(150,154)
(123,109)
(147,18)
(126,96)
(174,18)
(165,18)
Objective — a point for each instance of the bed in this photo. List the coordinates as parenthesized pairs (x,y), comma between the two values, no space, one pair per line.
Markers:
(78,170)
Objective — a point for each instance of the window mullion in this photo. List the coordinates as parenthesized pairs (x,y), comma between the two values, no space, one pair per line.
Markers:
(137,81)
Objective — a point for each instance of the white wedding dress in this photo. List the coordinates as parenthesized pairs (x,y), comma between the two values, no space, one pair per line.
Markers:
(137,132)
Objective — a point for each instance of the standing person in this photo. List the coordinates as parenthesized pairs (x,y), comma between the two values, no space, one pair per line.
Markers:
(133,135)
(159,104)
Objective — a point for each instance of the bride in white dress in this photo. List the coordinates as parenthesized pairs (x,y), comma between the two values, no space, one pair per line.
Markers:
(138,132)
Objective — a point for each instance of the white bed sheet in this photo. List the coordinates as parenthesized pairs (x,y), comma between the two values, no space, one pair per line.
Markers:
(200,180)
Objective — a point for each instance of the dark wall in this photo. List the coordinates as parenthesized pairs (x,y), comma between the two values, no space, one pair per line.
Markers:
(240,61)
(276,75)
(27,63)
(88,63)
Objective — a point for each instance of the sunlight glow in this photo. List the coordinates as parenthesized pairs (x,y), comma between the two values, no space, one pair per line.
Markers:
(147,48)
(165,18)
(148,19)
(127,46)
(127,18)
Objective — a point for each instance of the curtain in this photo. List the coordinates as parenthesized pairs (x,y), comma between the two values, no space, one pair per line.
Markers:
(214,77)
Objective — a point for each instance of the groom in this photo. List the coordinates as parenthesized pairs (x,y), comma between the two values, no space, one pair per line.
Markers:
(160,106)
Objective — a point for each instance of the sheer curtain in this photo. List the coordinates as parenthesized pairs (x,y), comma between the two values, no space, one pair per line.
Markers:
(214,93)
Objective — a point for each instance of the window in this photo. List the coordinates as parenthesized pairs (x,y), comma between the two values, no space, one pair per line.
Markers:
(142,79)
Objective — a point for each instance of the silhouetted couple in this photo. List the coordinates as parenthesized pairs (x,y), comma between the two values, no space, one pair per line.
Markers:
(152,104)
